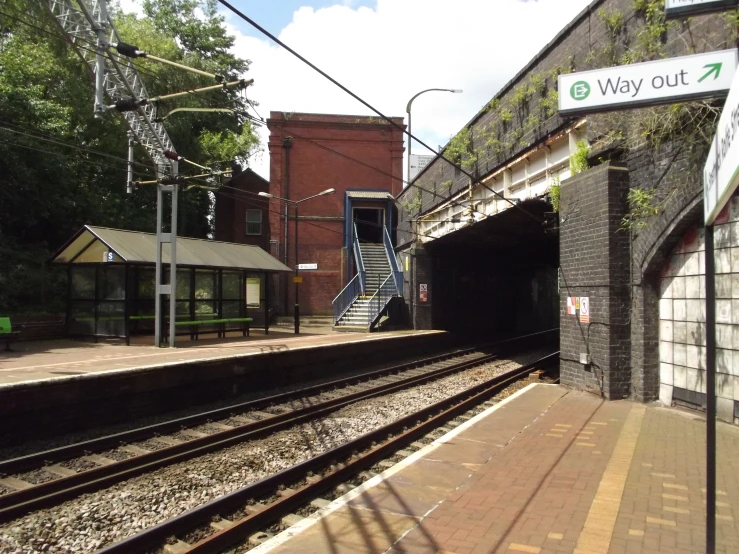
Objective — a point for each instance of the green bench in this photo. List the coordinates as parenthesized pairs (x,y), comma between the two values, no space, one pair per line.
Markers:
(6,332)
(220,323)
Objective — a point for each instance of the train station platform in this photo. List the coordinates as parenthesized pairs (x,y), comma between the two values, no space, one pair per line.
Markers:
(53,387)
(547,470)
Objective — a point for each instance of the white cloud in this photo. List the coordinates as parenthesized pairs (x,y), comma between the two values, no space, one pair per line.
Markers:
(387,54)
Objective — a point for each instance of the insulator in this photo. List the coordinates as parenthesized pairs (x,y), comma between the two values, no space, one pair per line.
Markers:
(129,50)
(129,104)
(172,155)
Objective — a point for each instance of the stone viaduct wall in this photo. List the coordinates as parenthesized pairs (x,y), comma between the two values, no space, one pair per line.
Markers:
(624,341)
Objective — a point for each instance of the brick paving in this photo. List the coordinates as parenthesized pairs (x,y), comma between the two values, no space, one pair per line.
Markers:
(551,471)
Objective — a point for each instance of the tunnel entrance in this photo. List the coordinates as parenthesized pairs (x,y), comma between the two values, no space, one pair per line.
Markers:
(498,276)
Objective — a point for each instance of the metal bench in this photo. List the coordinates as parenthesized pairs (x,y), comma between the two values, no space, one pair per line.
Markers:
(7,334)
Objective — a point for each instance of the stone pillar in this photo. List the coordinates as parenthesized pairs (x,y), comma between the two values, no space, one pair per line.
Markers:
(422,275)
(594,259)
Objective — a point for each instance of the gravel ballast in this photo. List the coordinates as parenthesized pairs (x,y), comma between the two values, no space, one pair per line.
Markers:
(102,518)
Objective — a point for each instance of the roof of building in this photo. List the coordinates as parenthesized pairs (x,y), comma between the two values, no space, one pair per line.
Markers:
(94,245)
(370,194)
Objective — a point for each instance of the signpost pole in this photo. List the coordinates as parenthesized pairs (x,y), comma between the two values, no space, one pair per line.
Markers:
(297,305)
(710,393)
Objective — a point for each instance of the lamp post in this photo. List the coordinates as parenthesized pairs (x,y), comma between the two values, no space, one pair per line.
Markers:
(295,278)
(408,111)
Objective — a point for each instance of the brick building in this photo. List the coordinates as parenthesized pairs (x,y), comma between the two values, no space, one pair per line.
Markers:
(241,216)
(471,247)
(362,159)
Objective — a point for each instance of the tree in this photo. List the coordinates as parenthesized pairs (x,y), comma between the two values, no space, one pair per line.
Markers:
(60,168)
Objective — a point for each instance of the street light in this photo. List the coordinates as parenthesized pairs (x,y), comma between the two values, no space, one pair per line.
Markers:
(295,278)
(408,111)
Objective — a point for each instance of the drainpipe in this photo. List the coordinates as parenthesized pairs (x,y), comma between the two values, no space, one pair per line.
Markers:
(287,144)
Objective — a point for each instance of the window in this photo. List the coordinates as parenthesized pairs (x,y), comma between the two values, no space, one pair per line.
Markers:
(253,222)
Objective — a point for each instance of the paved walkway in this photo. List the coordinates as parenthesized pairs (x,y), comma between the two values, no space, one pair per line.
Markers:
(546,471)
(35,360)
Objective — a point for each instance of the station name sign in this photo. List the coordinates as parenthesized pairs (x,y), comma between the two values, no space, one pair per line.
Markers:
(667,81)
(683,8)
(721,172)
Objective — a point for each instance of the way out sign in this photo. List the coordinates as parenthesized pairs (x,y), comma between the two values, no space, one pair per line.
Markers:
(646,84)
(684,8)
(721,172)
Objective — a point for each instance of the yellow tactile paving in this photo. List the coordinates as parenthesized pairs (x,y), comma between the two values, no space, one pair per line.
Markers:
(596,535)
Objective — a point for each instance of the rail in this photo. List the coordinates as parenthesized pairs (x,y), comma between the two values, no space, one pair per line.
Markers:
(397,274)
(361,271)
(346,297)
(385,291)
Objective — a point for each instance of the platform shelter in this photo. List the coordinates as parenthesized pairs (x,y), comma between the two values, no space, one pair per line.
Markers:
(111,283)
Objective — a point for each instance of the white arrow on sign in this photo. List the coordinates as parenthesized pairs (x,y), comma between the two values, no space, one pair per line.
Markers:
(721,172)
(682,8)
(685,78)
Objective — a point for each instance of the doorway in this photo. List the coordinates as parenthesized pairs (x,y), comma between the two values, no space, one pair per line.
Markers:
(369,224)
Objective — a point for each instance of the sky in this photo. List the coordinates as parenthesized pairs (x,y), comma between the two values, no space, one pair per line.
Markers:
(386,51)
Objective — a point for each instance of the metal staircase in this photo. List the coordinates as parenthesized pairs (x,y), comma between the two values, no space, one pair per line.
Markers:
(378,280)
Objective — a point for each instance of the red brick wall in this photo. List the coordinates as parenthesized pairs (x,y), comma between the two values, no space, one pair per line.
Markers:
(314,168)
(231,206)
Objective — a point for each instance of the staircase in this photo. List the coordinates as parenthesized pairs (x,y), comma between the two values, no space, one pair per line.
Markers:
(359,306)
(376,266)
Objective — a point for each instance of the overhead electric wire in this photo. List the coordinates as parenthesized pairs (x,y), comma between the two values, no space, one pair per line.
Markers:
(377,169)
(368,105)
(62,37)
(88,162)
(6,127)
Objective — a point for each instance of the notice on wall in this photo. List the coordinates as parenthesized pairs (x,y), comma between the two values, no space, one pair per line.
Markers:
(584,309)
(684,8)
(253,291)
(109,257)
(571,305)
(423,293)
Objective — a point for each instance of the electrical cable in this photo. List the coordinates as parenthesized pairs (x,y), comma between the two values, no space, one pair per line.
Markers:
(74,146)
(473,180)
(88,162)
(60,36)
(383,172)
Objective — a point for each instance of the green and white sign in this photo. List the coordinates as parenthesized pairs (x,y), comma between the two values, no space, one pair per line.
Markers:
(721,172)
(647,84)
(683,8)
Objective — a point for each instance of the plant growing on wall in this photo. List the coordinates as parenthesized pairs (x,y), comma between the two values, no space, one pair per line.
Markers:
(554,194)
(641,206)
(579,158)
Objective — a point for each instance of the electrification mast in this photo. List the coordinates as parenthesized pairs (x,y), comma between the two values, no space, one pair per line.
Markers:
(85,23)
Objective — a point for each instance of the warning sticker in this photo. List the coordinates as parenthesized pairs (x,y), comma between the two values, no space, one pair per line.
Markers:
(584,309)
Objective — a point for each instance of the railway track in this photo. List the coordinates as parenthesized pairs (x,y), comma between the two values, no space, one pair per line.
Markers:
(184,438)
(233,518)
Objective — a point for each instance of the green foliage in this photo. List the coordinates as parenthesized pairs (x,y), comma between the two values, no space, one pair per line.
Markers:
(505,115)
(579,158)
(48,190)
(446,186)
(653,35)
(613,21)
(641,207)
(460,151)
(554,194)
(550,103)
(412,202)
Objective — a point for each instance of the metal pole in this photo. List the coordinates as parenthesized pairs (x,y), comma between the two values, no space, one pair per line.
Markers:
(173,261)
(710,393)
(286,144)
(158,272)
(410,142)
(297,305)
(101,30)
(129,174)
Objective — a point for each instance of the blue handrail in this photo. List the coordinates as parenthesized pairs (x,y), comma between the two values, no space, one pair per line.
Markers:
(359,261)
(397,274)
(346,298)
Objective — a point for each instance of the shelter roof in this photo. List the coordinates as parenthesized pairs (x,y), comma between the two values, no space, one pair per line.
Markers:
(92,245)
(370,194)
